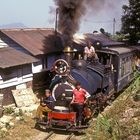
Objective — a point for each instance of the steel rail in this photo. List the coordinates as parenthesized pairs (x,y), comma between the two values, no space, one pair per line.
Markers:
(70,136)
(49,135)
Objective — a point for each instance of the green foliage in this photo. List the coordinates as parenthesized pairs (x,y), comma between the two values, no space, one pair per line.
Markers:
(103,125)
(19,113)
(104,32)
(107,128)
(119,37)
(8,110)
(131,21)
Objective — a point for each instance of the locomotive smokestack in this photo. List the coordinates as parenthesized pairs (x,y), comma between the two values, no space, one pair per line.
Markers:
(68,54)
(56,13)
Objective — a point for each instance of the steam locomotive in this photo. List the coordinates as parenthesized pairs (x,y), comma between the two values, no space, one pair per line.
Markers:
(102,78)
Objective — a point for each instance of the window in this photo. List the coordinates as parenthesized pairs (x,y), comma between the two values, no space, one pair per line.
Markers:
(26,70)
(8,73)
(122,67)
(125,64)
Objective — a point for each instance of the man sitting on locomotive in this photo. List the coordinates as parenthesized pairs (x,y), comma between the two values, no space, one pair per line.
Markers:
(80,97)
(89,52)
(46,105)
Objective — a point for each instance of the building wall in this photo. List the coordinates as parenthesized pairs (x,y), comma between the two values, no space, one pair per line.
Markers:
(15,76)
(37,67)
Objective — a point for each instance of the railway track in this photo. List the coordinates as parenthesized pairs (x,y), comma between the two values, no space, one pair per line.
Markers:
(49,135)
(54,136)
(70,136)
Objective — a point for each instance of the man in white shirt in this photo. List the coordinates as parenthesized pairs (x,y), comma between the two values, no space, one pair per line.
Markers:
(89,52)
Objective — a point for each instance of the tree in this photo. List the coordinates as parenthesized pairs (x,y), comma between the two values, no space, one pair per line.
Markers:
(102,30)
(131,21)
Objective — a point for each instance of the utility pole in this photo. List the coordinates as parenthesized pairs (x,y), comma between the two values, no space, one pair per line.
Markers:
(56,18)
(114,23)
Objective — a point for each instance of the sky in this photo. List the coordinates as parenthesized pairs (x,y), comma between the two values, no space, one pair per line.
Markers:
(41,14)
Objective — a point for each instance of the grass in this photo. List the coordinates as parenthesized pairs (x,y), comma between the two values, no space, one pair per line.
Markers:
(22,130)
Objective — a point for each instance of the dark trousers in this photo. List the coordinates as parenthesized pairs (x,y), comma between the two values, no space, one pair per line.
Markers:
(78,108)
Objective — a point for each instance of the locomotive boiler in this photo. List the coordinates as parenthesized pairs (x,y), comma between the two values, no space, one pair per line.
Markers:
(94,78)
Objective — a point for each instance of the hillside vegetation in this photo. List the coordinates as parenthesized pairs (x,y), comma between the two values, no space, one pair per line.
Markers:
(121,120)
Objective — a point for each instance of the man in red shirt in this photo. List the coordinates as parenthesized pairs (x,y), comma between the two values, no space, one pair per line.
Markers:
(80,96)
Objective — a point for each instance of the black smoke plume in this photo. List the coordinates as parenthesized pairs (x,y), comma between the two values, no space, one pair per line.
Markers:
(70,12)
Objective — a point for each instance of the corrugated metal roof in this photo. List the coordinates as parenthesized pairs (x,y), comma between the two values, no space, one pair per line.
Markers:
(105,40)
(121,50)
(10,57)
(137,47)
(36,41)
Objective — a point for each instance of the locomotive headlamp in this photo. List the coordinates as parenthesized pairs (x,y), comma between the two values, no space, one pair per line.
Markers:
(61,66)
(63,94)
(98,43)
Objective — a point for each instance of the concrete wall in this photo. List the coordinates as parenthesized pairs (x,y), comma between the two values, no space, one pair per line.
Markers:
(7,92)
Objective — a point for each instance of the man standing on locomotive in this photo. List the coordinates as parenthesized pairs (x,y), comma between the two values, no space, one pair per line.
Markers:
(80,97)
(46,105)
(89,52)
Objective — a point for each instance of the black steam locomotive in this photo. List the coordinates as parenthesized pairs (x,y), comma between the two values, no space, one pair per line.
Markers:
(102,78)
